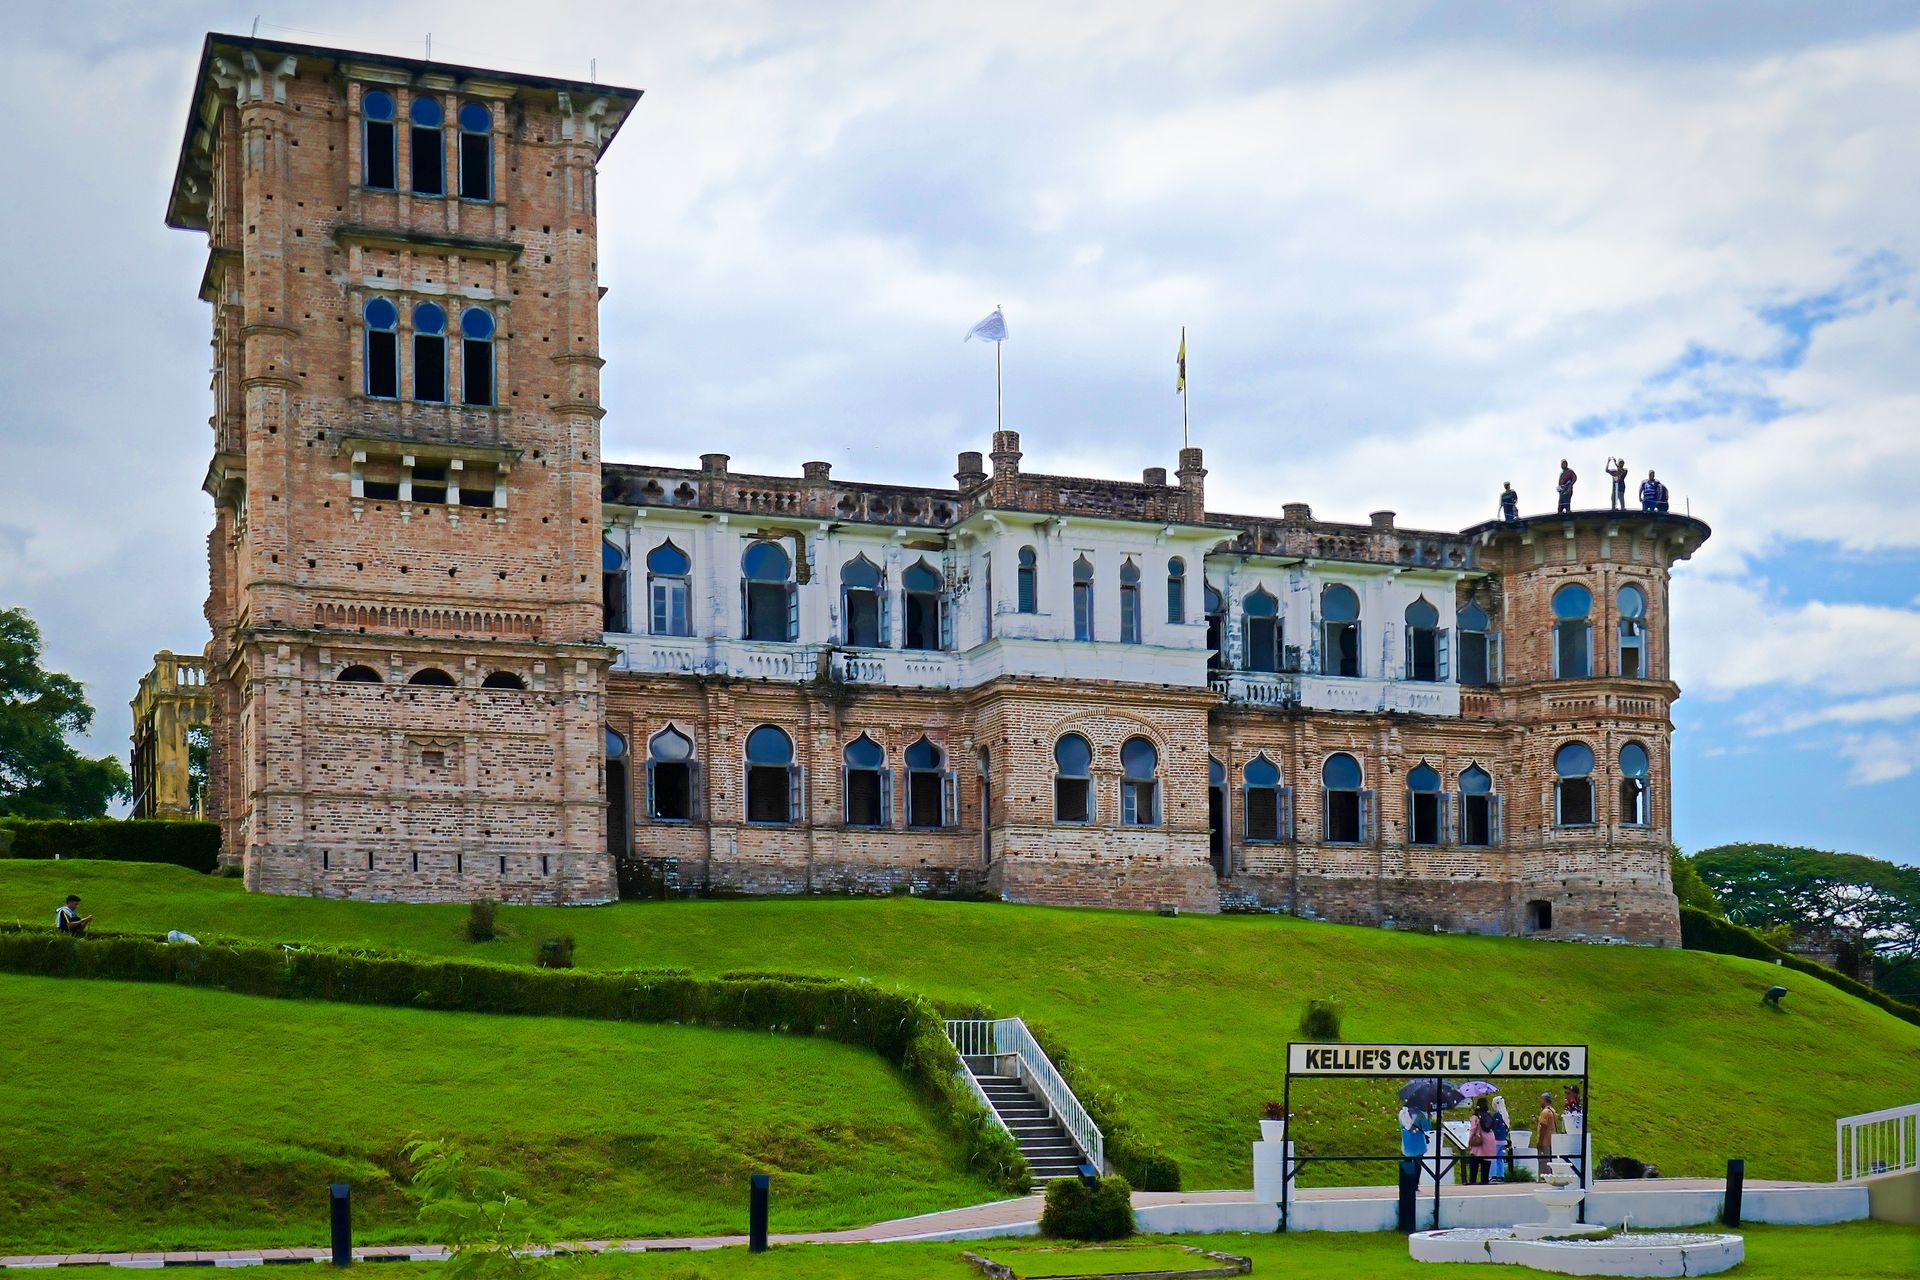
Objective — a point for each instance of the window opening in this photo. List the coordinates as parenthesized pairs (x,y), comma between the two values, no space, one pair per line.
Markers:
(1139,783)
(619,796)
(1176,591)
(1217,816)
(377,169)
(1426,643)
(476,152)
(430,353)
(1263,631)
(1029,601)
(1539,915)
(1129,603)
(1479,808)
(433,676)
(1635,790)
(773,781)
(503,680)
(1340,616)
(358,674)
(1476,645)
(670,765)
(930,788)
(1573,790)
(861,599)
(1633,632)
(1072,780)
(867,802)
(1340,779)
(1261,779)
(1216,607)
(429,161)
(383,349)
(669,571)
(429,482)
(1425,817)
(613,588)
(770,606)
(1082,599)
(920,586)
(476,357)
(1572,635)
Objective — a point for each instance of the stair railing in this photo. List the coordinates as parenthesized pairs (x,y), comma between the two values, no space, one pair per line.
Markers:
(1877,1142)
(1009,1037)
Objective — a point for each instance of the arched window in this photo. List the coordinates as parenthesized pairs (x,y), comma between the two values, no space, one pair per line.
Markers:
(1426,815)
(773,779)
(668,575)
(925,618)
(1217,838)
(429,167)
(864,781)
(476,152)
(1263,629)
(476,357)
(1479,660)
(613,589)
(1340,623)
(503,680)
(863,603)
(1129,603)
(430,353)
(1082,599)
(1633,632)
(1636,808)
(619,796)
(672,777)
(377,152)
(1072,779)
(1268,804)
(930,787)
(432,676)
(1347,808)
(1426,642)
(1216,607)
(1176,591)
(1029,589)
(383,349)
(1139,783)
(1573,789)
(1572,635)
(772,606)
(1479,808)
(358,674)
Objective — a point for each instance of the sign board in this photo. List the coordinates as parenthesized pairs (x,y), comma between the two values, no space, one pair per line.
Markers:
(1466,1060)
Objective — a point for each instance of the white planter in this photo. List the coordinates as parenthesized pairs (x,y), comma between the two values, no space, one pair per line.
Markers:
(1273,1131)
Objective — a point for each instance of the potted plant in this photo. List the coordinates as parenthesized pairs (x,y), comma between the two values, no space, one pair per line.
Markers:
(1273,1122)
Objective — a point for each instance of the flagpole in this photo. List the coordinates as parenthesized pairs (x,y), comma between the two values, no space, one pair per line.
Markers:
(998,423)
(1186,388)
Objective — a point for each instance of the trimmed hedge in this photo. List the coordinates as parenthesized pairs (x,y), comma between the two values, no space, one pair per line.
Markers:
(190,844)
(1075,1211)
(905,1030)
(1700,931)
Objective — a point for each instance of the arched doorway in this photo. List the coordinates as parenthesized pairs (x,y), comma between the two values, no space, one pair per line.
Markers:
(1217,816)
(986,807)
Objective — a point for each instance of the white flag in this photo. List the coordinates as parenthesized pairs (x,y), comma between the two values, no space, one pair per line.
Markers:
(992,329)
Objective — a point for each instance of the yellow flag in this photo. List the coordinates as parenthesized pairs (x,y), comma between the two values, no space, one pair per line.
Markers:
(1180,385)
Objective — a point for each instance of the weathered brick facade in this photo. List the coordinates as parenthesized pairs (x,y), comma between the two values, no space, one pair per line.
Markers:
(601,641)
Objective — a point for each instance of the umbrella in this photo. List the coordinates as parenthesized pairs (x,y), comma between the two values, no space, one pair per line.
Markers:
(1429,1094)
(1475,1088)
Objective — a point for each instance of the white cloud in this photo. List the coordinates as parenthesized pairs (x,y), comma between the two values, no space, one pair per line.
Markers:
(1880,757)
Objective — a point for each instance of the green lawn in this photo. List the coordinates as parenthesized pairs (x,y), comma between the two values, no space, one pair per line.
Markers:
(1186,1017)
(1855,1251)
(143,1116)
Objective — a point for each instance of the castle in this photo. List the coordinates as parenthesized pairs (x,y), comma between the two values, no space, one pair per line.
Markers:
(455,653)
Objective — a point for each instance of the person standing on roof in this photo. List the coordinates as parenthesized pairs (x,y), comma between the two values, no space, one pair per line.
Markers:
(1509,503)
(1617,470)
(1565,486)
(1650,493)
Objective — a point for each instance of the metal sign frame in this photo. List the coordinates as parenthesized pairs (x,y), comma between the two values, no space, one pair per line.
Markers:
(1447,1060)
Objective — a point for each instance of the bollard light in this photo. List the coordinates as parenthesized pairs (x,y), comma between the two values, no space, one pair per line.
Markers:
(757,1214)
(340,1194)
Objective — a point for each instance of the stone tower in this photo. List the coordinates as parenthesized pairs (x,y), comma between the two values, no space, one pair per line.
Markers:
(1588,692)
(406,663)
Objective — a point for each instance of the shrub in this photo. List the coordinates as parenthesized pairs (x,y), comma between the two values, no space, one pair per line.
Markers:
(1702,932)
(1140,1160)
(1321,1020)
(194,845)
(555,953)
(233,871)
(1075,1211)
(481,926)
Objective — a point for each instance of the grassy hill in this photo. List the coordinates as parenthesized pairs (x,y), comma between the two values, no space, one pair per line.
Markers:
(138,1116)
(1185,1018)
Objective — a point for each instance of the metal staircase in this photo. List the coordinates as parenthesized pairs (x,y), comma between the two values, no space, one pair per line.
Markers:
(1019,1084)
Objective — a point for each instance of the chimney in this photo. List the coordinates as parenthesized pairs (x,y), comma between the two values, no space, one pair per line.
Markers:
(1006,453)
(714,464)
(1296,512)
(1382,519)
(970,474)
(815,472)
(1154,475)
(1193,486)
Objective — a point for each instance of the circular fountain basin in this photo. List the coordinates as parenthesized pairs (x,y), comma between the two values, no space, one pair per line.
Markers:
(1642,1253)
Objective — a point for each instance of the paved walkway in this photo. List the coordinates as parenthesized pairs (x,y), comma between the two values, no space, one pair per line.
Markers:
(997,1213)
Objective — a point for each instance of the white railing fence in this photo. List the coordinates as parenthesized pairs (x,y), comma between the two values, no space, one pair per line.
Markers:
(1878,1142)
(1009,1037)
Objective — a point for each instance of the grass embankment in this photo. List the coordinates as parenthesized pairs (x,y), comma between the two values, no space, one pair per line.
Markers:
(143,1116)
(1186,1017)
(1855,1251)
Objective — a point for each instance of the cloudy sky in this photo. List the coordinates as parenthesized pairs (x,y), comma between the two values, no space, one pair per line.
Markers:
(1420,249)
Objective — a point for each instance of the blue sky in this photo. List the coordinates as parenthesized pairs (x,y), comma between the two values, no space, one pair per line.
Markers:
(1420,249)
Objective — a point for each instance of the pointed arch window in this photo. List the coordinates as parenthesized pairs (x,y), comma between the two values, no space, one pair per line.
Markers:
(1027,581)
(774,781)
(427,147)
(1572,632)
(477,383)
(1633,632)
(476,151)
(1347,808)
(1573,785)
(925,608)
(1340,624)
(673,788)
(1426,642)
(377,150)
(1263,628)
(863,603)
(1216,607)
(1479,808)
(1269,805)
(383,349)
(772,605)
(669,579)
(1176,591)
(1426,807)
(932,795)
(1082,599)
(1139,783)
(430,353)
(866,784)
(1129,603)
(1072,779)
(1479,647)
(619,796)
(1218,840)
(613,588)
(1636,793)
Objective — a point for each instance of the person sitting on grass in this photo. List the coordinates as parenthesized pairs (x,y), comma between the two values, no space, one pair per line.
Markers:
(68,919)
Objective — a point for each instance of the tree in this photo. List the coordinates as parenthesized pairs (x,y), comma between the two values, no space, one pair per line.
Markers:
(1691,888)
(1854,899)
(41,775)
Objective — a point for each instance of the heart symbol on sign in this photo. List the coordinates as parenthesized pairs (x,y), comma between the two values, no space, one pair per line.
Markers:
(1491,1061)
